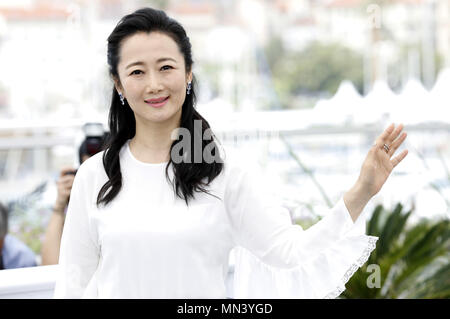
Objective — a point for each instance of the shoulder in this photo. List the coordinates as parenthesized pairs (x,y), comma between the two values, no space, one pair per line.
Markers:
(16,254)
(13,243)
(91,174)
(245,174)
(242,173)
(91,168)
(237,165)
(93,163)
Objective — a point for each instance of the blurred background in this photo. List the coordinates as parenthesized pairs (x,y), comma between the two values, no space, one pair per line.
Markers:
(306,85)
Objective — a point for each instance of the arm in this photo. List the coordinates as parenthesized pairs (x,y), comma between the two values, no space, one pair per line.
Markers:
(52,239)
(263,226)
(280,260)
(375,169)
(258,225)
(355,200)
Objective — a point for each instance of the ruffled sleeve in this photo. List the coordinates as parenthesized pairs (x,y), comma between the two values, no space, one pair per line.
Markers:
(275,258)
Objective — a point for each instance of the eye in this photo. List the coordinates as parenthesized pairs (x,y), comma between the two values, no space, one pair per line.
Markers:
(166,67)
(135,71)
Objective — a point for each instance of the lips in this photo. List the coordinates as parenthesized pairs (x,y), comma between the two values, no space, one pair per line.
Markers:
(158,100)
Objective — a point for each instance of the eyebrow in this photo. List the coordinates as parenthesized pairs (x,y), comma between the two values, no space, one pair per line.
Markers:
(157,61)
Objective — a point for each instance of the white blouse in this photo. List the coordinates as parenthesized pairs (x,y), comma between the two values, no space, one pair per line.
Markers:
(148,244)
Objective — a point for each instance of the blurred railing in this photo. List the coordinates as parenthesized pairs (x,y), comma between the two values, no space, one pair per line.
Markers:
(25,149)
(30,282)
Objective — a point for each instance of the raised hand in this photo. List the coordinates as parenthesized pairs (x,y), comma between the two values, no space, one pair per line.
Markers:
(64,187)
(380,162)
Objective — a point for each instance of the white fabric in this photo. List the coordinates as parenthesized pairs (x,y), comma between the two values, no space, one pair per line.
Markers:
(148,244)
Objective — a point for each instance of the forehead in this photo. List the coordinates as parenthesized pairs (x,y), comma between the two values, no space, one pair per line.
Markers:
(148,47)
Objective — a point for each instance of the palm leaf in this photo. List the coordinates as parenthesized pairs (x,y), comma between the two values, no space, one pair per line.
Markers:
(435,286)
(373,227)
(418,256)
(414,260)
(392,228)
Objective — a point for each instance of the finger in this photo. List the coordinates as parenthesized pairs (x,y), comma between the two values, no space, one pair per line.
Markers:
(66,170)
(383,138)
(395,133)
(399,158)
(65,186)
(68,185)
(396,144)
(67,179)
(65,193)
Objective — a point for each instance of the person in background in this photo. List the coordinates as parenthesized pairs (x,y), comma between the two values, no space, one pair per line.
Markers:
(13,252)
(93,143)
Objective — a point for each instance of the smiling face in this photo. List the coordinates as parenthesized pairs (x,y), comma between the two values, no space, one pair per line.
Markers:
(153,78)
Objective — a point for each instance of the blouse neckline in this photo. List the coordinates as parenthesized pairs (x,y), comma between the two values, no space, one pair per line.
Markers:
(130,154)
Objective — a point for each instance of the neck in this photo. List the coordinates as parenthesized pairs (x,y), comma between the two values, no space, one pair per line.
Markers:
(152,142)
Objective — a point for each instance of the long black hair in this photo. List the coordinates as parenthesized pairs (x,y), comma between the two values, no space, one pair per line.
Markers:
(189,177)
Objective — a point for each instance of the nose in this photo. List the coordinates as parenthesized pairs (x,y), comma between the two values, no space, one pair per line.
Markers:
(153,83)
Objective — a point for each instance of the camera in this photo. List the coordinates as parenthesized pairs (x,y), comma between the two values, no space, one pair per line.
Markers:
(94,140)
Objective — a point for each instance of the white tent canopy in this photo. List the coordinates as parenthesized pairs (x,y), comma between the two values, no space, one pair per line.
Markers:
(440,97)
(377,105)
(338,109)
(442,86)
(413,105)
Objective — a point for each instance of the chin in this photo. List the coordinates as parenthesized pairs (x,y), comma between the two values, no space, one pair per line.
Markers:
(159,118)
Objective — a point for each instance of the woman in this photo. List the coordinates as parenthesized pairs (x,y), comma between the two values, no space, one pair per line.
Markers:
(143,224)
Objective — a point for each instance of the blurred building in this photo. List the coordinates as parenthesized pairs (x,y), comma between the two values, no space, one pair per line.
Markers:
(68,45)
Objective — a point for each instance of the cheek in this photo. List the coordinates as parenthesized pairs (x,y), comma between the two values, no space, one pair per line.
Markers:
(131,87)
(177,84)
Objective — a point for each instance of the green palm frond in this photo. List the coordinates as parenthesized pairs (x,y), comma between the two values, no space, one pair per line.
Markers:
(414,260)
(435,285)
(373,227)
(392,229)
(431,244)
(439,284)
